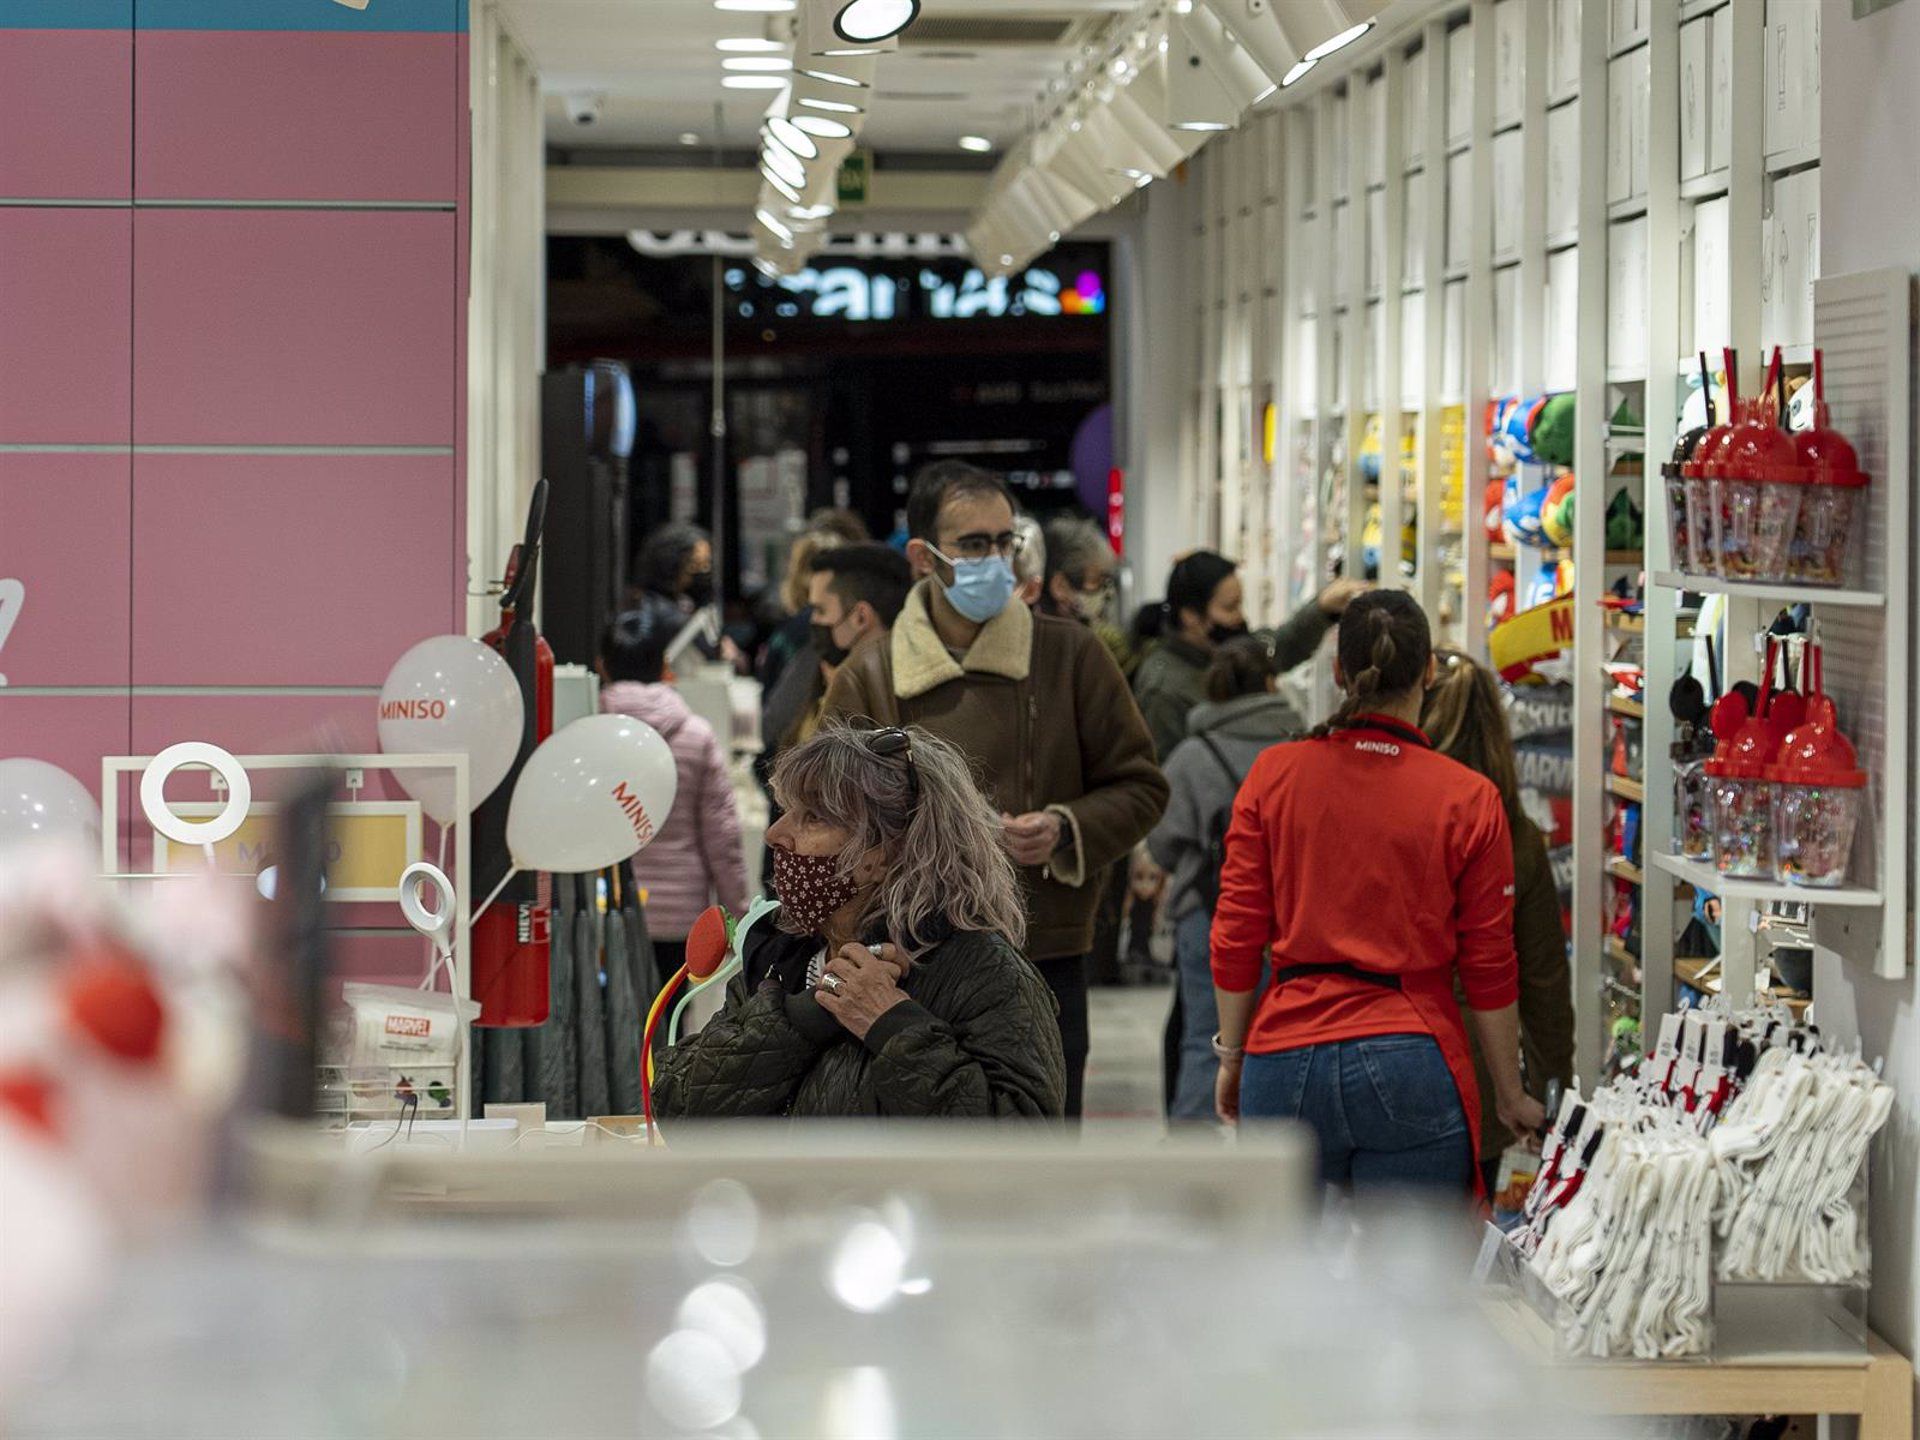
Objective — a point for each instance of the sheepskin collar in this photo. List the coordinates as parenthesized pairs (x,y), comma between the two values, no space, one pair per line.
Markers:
(921,661)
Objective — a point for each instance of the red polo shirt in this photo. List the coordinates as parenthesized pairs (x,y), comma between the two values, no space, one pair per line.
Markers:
(1366,849)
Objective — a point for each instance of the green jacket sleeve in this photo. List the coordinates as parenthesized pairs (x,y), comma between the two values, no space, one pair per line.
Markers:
(1164,712)
(1124,791)
(748,1060)
(999,1057)
(1295,642)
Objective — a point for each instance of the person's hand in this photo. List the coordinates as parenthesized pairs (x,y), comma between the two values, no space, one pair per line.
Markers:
(858,987)
(1522,1114)
(1226,1092)
(1338,594)
(1032,838)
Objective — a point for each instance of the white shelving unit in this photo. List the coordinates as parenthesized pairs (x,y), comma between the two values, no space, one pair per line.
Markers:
(1663,208)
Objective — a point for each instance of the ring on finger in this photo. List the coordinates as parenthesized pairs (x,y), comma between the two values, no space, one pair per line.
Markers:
(830,984)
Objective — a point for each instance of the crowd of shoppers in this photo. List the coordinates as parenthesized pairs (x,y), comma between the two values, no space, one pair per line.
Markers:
(966,754)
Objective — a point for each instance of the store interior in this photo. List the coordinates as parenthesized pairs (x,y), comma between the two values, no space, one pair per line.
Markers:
(354,350)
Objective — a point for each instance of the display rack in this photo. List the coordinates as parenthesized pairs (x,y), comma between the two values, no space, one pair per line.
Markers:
(1572,197)
(114,863)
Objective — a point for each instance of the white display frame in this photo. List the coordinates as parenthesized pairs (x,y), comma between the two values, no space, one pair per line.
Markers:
(112,865)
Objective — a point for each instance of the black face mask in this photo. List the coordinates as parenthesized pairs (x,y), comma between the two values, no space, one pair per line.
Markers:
(700,588)
(1221,634)
(824,646)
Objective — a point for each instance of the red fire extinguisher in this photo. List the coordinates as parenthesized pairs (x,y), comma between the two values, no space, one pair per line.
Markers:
(510,940)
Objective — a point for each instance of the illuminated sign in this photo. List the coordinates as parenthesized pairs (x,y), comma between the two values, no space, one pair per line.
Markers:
(848,292)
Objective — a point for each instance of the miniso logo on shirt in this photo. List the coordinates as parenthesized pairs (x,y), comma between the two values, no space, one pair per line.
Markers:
(1378,747)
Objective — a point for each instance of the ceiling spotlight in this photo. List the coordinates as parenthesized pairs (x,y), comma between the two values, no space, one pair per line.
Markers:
(746,45)
(866,22)
(753,82)
(755,7)
(836,107)
(1339,42)
(1299,69)
(791,192)
(823,126)
(757,63)
(784,163)
(831,78)
(689,138)
(978,144)
(793,137)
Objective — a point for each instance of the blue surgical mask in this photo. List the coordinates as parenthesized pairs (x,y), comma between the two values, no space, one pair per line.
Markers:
(981,588)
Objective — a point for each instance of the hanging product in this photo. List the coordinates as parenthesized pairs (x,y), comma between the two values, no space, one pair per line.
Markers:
(1818,792)
(1832,514)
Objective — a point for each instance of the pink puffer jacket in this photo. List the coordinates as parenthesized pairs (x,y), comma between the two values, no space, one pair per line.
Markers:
(697,856)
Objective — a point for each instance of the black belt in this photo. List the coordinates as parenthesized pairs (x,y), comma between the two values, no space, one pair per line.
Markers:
(1353,972)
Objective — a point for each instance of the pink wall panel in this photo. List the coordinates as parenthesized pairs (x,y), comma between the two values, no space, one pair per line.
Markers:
(71,731)
(262,327)
(66,107)
(384,959)
(290,115)
(64,534)
(65,317)
(288,570)
(257,724)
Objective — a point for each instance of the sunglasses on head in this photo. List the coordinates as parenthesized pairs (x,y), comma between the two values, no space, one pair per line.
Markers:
(894,743)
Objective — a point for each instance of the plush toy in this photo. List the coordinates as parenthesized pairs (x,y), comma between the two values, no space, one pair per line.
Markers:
(1556,512)
(1496,501)
(1626,523)
(1500,597)
(1545,586)
(1521,513)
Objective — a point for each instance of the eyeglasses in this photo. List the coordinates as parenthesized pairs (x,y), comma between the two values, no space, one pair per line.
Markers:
(978,547)
(894,743)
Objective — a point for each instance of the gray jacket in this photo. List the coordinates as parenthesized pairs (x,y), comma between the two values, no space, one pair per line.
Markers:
(1240,729)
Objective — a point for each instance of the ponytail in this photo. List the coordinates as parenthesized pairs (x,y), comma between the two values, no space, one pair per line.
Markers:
(1384,648)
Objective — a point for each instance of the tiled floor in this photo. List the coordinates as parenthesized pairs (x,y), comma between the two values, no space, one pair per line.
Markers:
(1123,1071)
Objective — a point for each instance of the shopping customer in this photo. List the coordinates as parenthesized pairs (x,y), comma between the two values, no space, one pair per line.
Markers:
(697,856)
(1465,719)
(1378,872)
(1035,704)
(1242,717)
(894,984)
(1204,609)
(791,626)
(1029,560)
(1078,583)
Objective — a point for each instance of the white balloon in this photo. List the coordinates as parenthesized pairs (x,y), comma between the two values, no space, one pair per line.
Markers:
(38,800)
(451,695)
(592,795)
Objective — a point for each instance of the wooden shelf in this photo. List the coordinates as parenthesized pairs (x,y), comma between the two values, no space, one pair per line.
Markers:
(1785,594)
(1876,1385)
(1621,788)
(1621,868)
(1623,624)
(1692,973)
(1632,709)
(1705,877)
(1617,951)
(1500,550)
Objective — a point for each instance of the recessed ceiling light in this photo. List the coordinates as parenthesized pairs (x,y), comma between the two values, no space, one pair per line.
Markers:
(755,7)
(833,107)
(753,82)
(762,64)
(823,126)
(768,219)
(833,79)
(1338,42)
(1300,68)
(793,137)
(866,22)
(978,144)
(810,212)
(784,163)
(747,45)
(689,138)
(1199,125)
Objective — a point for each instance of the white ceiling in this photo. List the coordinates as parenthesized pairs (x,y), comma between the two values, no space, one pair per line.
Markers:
(654,62)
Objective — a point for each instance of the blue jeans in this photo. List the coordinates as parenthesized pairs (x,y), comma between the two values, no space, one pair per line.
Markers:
(1385,1109)
(1200,1017)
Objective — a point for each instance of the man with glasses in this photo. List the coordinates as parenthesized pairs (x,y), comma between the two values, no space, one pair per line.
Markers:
(1037,705)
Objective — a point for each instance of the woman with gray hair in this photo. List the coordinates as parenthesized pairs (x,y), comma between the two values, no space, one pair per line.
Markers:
(894,983)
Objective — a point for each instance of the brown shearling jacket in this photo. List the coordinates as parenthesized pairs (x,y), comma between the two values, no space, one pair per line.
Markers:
(1039,707)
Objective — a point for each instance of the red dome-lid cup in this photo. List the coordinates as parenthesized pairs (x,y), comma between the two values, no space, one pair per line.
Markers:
(1828,456)
(1818,754)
